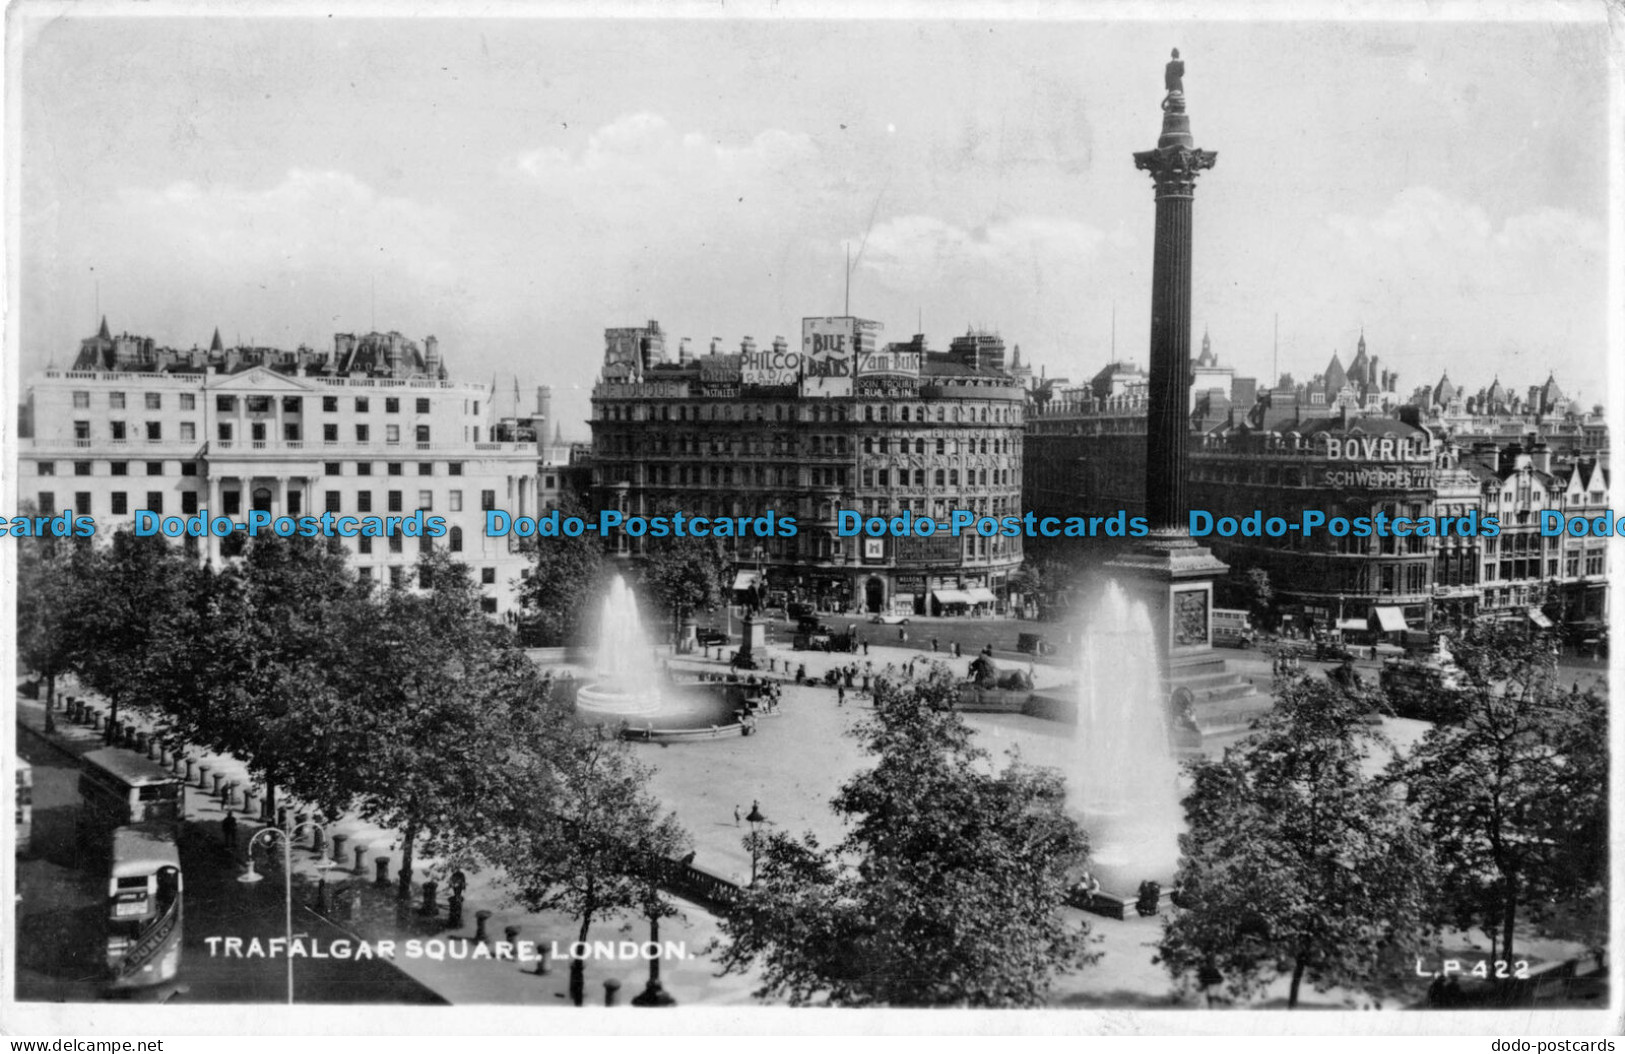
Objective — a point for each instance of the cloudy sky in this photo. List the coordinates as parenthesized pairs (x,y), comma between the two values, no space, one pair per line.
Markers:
(514,186)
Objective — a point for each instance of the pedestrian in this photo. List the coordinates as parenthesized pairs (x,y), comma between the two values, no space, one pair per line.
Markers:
(228,831)
(736,816)
(840,695)
(933,645)
(957,650)
(865,647)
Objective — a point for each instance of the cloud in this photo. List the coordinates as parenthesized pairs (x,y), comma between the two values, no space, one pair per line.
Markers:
(917,252)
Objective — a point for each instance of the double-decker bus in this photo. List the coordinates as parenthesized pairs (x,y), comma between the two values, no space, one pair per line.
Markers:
(143,907)
(25,805)
(119,788)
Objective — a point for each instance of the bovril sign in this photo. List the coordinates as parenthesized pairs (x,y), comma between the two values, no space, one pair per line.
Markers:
(1378,448)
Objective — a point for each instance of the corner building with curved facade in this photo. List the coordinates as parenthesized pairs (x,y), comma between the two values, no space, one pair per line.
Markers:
(840,423)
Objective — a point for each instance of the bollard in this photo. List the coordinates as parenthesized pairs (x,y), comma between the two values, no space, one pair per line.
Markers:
(339,841)
(542,969)
(155,750)
(612,991)
(229,798)
(481,917)
(96,721)
(317,842)
(251,802)
(361,862)
(282,813)
(300,819)
(265,807)
(203,776)
(510,934)
(216,780)
(430,888)
(382,864)
(191,769)
(323,905)
(177,763)
(454,910)
(141,742)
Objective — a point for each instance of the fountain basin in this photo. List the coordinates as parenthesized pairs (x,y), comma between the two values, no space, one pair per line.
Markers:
(679,711)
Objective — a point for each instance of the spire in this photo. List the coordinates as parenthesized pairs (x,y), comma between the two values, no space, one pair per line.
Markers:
(215,344)
(102,333)
(558,434)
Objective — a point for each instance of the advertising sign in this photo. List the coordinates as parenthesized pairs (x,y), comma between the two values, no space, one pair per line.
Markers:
(768,366)
(828,356)
(889,366)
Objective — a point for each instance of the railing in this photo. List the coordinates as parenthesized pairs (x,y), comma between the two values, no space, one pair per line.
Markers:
(712,892)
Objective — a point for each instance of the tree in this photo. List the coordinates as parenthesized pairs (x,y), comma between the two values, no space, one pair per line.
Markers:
(945,892)
(1044,580)
(124,594)
(45,601)
(247,667)
(1295,859)
(576,829)
(1515,795)
(429,693)
(565,575)
(686,574)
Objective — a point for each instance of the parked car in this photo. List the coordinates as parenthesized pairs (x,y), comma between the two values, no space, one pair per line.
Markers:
(884,619)
(707,635)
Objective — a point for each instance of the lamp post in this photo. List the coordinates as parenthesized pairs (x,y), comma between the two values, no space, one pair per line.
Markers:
(250,877)
(755,819)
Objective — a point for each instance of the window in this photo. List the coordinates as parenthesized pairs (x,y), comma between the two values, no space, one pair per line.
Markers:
(155,500)
(225,431)
(363,501)
(155,401)
(155,431)
(81,431)
(392,433)
(293,404)
(119,468)
(456,539)
(155,468)
(333,501)
(455,501)
(488,576)
(394,468)
(423,406)
(423,433)
(295,502)
(81,502)
(942,446)
(45,468)
(394,547)
(188,431)
(361,433)
(290,431)
(257,431)
(426,499)
(488,605)
(330,404)
(330,433)
(188,501)
(332,468)
(46,503)
(361,404)
(364,546)
(188,468)
(394,501)
(81,468)
(121,503)
(188,401)
(118,430)
(425,468)
(115,400)
(454,468)
(392,406)
(941,477)
(363,468)
(81,400)
(396,574)
(259,404)
(488,500)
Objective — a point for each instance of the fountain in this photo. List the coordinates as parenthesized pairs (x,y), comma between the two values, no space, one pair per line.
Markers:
(1125,783)
(627,686)
(631,691)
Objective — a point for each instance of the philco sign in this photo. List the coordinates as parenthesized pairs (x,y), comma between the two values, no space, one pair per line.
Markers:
(767,366)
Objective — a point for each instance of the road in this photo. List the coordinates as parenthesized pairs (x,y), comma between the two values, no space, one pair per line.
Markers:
(59,920)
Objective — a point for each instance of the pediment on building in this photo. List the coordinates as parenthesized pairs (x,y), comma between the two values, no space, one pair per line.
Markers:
(261,380)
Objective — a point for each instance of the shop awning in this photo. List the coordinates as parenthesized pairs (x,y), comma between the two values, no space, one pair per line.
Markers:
(951,596)
(1539,619)
(747,579)
(1352,625)
(1392,620)
(980,595)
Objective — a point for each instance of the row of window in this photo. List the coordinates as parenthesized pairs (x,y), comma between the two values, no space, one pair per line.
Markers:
(394,468)
(114,468)
(226,431)
(815,412)
(254,404)
(881,477)
(393,500)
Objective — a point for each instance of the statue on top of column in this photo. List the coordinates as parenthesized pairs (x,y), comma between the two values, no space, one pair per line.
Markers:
(1173,76)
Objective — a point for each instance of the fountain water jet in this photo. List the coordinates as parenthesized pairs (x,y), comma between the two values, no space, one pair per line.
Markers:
(1126,781)
(628,684)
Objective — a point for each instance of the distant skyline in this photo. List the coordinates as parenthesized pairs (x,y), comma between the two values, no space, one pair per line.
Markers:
(516,186)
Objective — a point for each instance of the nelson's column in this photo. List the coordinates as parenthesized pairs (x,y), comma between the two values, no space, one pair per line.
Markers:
(1169,570)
